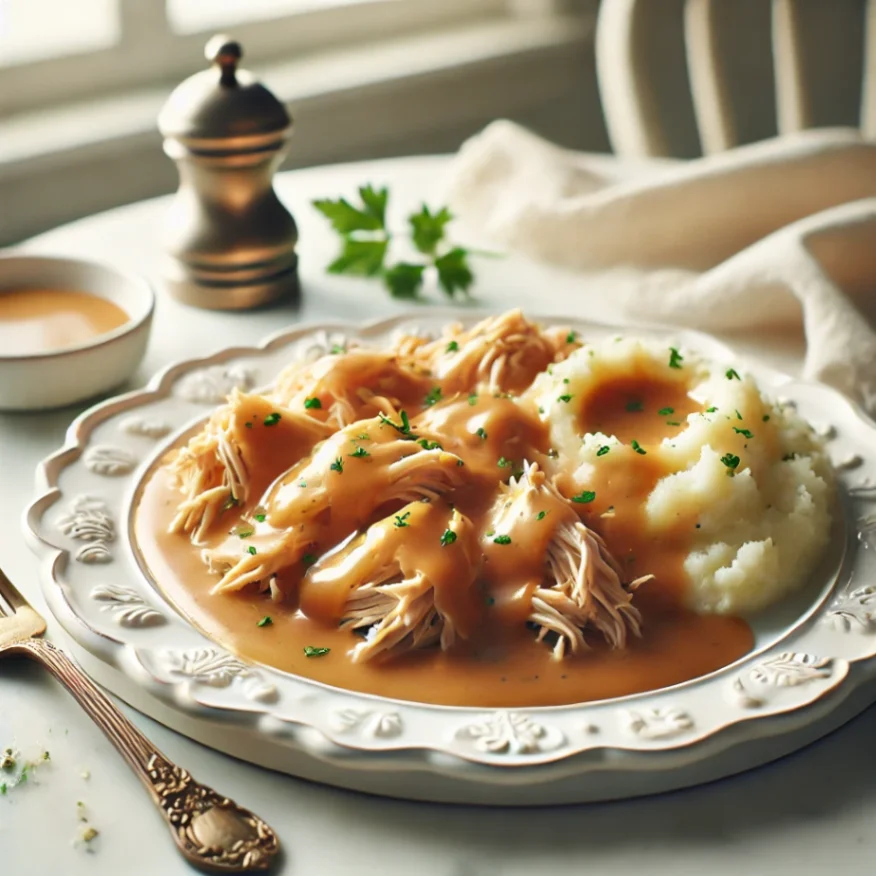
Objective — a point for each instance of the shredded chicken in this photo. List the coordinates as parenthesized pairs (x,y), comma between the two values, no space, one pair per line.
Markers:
(357,384)
(503,352)
(333,492)
(408,581)
(586,592)
(212,471)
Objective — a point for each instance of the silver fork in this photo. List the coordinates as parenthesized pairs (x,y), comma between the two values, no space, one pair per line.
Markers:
(211,831)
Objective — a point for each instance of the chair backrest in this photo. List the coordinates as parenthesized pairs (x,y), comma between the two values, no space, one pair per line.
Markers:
(688,77)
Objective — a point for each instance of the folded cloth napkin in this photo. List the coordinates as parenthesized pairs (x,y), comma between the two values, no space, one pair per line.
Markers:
(758,236)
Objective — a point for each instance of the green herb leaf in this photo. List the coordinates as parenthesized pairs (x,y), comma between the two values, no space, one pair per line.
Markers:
(502,539)
(711,410)
(433,397)
(665,412)
(541,515)
(338,465)
(744,432)
(481,433)
(337,349)
(401,520)
(572,337)
(359,453)
(426,444)
(564,398)
(345,218)
(272,419)
(738,415)
(448,537)
(454,274)
(731,461)
(732,374)
(634,405)
(503,463)
(260,517)
(472,399)
(452,347)
(230,502)
(312,651)
(427,228)
(672,423)
(675,358)
(266,621)
(244,533)
(404,427)
(603,450)
(309,559)
(404,279)
(248,424)
(361,258)
(765,418)
(312,403)
(251,549)
(374,201)
(637,447)
(585,497)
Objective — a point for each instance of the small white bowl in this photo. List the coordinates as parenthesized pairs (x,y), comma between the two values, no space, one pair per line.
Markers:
(60,377)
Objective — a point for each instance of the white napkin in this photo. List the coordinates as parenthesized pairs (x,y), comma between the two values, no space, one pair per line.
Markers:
(753,237)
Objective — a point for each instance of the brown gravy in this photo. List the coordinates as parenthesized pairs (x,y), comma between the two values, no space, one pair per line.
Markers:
(503,665)
(42,320)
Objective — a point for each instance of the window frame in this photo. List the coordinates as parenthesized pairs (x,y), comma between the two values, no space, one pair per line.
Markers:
(157,55)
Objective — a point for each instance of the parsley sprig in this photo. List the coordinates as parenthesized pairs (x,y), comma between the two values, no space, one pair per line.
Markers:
(365,241)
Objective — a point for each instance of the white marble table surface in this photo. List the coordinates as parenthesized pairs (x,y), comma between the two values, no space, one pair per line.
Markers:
(811,813)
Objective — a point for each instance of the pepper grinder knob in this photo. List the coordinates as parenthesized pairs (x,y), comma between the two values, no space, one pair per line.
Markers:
(225,52)
(230,241)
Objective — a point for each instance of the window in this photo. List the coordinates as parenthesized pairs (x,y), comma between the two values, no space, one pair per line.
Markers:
(54,51)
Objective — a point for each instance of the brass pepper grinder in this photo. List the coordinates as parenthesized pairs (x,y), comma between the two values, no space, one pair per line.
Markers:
(231,243)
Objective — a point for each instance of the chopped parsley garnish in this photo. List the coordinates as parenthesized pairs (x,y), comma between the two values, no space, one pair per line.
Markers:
(603,450)
(448,537)
(452,347)
(364,436)
(665,412)
(230,502)
(731,461)
(266,621)
(251,549)
(565,398)
(672,423)
(541,515)
(260,517)
(359,452)
(302,484)
(585,497)
(765,418)
(473,399)
(502,539)
(675,358)
(248,424)
(309,559)
(244,533)
(312,651)
(637,447)
(503,463)
(3,789)
(738,415)
(401,520)
(732,374)
(312,403)
(337,349)
(744,432)
(572,337)
(338,465)
(634,405)
(481,433)
(272,419)
(711,410)
(404,428)
(433,397)
(426,444)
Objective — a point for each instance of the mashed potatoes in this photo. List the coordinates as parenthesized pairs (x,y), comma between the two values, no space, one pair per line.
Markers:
(742,482)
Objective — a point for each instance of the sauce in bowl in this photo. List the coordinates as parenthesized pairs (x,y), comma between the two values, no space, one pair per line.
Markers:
(34,321)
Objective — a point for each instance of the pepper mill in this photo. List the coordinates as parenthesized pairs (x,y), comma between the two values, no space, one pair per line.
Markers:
(230,242)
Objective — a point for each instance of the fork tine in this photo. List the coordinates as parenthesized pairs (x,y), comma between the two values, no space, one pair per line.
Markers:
(10,593)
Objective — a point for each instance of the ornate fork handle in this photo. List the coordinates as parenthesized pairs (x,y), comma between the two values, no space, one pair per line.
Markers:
(211,831)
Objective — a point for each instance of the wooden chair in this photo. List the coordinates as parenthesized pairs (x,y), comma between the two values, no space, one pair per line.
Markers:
(682,78)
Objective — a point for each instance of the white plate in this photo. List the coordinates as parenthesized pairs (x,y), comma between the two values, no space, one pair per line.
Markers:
(812,667)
